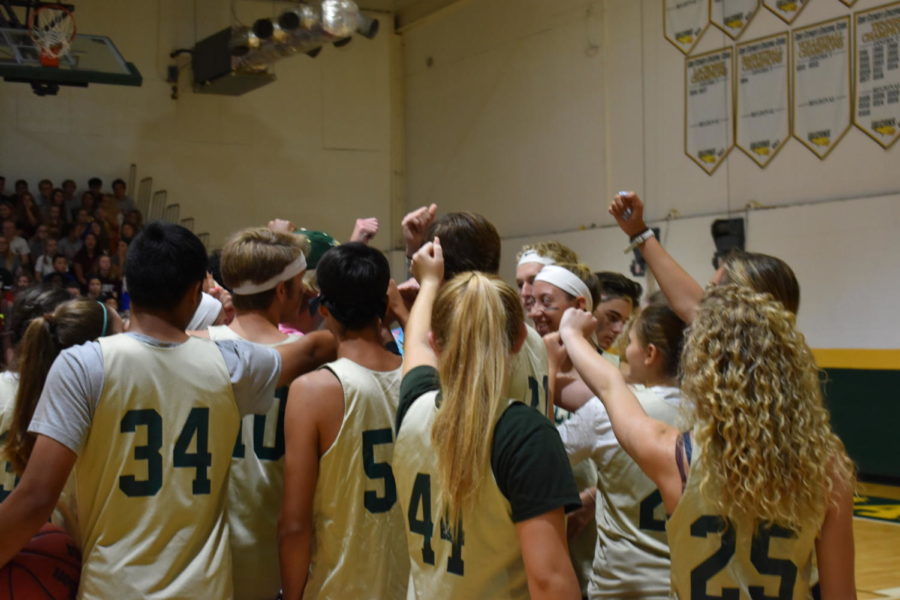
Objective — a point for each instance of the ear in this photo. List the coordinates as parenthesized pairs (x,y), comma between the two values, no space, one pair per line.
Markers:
(323,310)
(281,290)
(651,354)
(580,303)
(520,338)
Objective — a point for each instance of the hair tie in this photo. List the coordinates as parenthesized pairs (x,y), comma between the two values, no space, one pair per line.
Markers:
(105,318)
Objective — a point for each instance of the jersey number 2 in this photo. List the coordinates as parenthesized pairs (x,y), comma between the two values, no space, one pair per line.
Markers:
(784,569)
(195,427)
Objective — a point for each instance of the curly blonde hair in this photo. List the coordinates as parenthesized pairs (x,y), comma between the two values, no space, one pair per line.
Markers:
(766,442)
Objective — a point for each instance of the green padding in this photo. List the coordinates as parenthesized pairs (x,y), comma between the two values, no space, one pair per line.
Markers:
(865,413)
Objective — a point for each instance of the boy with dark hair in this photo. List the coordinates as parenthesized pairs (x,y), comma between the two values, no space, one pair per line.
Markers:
(341,528)
(147,419)
(471,243)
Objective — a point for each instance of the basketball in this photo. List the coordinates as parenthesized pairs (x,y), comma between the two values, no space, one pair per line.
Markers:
(47,568)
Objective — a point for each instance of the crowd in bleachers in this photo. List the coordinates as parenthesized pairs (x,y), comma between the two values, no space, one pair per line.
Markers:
(72,238)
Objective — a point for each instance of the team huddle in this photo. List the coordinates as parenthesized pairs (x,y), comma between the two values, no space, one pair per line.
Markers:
(331,434)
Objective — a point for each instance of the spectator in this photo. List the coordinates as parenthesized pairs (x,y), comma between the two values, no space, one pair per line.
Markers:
(71,244)
(118,259)
(3,196)
(45,190)
(122,199)
(94,288)
(55,221)
(68,188)
(88,205)
(28,214)
(6,211)
(57,199)
(127,233)
(36,243)
(21,188)
(17,243)
(136,219)
(9,260)
(43,266)
(95,187)
(84,260)
(61,276)
(109,279)
(23,281)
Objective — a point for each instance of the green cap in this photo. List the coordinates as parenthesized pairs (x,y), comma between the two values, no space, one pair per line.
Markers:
(319,243)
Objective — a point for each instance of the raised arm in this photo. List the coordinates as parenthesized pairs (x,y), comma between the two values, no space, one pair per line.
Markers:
(428,269)
(649,442)
(684,294)
(309,352)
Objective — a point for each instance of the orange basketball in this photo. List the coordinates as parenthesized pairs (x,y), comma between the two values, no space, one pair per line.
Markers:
(47,568)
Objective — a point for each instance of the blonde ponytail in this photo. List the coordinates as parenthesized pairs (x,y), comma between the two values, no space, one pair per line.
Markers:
(476,321)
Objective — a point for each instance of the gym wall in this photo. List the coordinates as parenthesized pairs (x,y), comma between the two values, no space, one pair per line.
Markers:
(535,113)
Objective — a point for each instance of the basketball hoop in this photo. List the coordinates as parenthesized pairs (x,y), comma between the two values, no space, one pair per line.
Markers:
(52,27)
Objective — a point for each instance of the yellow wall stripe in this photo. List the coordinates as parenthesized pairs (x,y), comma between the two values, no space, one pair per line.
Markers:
(857,358)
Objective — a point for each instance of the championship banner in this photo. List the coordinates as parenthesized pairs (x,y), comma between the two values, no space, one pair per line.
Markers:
(787,10)
(878,73)
(763,111)
(732,16)
(685,21)
(708,108)
(821,84)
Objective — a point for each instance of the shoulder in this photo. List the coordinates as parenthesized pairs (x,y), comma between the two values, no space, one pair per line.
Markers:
(520,426)
(315,393)
(419,380)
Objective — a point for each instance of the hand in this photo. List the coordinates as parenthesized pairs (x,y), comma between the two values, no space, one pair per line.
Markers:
(428,263)
(396,308)
(364,230)
(408,290)
(223,296)
(628,210)
(415,224)
(282,225)
(577,322)
(556,351)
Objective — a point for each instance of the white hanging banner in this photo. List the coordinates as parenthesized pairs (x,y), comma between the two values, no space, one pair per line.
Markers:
(763,110)
(685,21)
(732,16)
(878,73)
(821,84)
(708,108)
(787,10)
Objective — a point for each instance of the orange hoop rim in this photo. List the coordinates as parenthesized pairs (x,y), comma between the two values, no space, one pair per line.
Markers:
(52,50)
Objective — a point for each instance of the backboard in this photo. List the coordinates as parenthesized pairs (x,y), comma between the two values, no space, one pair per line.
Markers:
(91,59)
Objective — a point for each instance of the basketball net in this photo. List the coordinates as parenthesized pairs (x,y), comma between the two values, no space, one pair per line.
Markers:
(52,28)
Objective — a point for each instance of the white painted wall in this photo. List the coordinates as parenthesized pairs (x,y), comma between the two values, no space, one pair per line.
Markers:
(517,117)
(315,146)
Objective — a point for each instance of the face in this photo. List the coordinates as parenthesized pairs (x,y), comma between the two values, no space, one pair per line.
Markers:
(60,264)
(45,188)
(41,232)
(23,281)
(4,245)
(54,212)
(83,216)
(611,317)
(51,247)
(104,263)
(525,274)
(94,287)
(90,241)
(293,298)
(635,354)
(69,187)
(550,303)
(119,190)
(21,187)
(5,211)
(58,198)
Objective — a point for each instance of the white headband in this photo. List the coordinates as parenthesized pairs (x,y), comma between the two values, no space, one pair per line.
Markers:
(533,257)
(206,314)
(568,282)
(248,288)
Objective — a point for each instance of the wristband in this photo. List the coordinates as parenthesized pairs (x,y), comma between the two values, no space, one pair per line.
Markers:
(639,239)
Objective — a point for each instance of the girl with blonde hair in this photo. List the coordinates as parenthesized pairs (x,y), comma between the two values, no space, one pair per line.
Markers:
(759,481)
(483,479)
